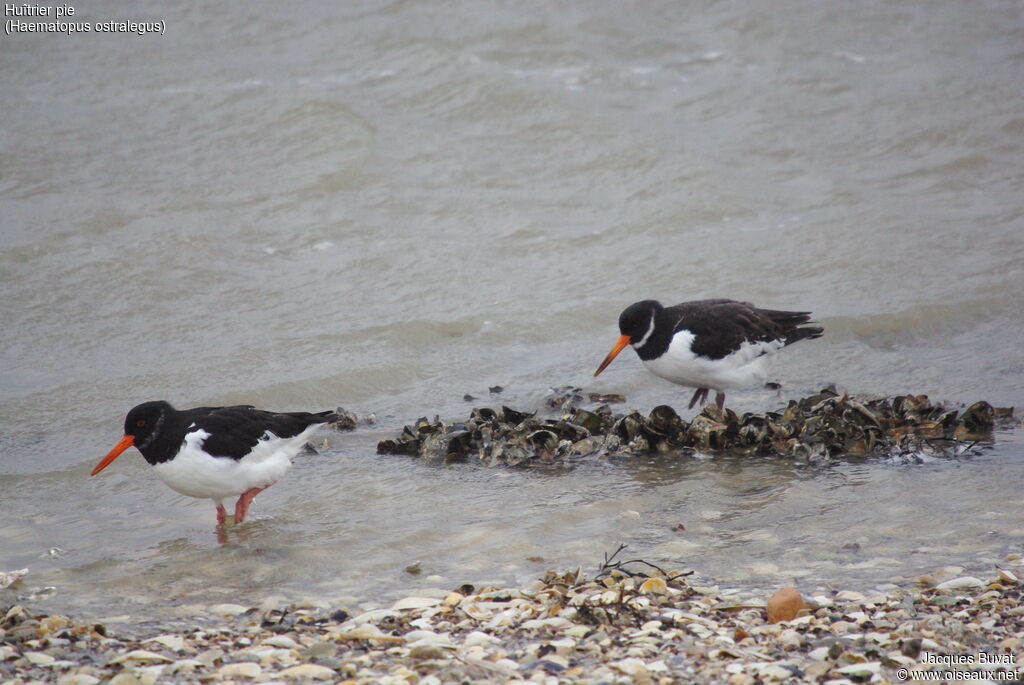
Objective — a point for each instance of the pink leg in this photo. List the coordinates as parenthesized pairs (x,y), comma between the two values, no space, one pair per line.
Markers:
(242,505)
(222,515)
(720,400)
(699,395)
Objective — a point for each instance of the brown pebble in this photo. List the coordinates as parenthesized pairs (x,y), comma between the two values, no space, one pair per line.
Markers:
(740,634)
(784,605)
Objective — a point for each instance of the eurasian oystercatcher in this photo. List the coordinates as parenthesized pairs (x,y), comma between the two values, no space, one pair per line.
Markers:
(217,452)
(708,344)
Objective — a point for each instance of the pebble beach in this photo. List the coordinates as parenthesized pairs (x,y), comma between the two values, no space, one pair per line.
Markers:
(628,622)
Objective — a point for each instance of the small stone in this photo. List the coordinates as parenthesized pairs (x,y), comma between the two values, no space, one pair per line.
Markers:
(564,646)
(819,654)
(426,651)
(790,639)
(962,583)
(125,678)
(1007,577)
(863,670)
(428,637)
(78,679)
(841,627)
(228,609)
(373,616)
(319,650)
(209,656)
(39,658)
(172,642)
(184,666)
(309,671)
(479,638)
(850,596)
(52,624)
(140,655)
(415,603)
(8,578)
(632,667)
(282,641)
(239,670)
(784,605)
(775,672)
(813,672)
(654,586)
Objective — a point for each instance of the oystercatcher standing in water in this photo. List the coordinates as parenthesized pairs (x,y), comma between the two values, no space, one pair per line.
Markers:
(708,344)
(217,452)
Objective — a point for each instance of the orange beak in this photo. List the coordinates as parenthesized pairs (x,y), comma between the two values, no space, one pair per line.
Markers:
(619,344)
(126,442)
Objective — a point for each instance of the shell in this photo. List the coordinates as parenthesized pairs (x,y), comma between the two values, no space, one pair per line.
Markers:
(814,429)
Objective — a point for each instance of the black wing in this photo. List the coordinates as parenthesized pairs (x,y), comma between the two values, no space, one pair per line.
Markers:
(720,326)
(234,431)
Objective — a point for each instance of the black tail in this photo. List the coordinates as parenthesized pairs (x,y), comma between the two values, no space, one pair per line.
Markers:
(790,323)
(797,334)
(327,416)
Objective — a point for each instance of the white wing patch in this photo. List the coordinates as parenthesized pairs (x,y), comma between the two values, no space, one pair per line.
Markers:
(195,473)
(744,367)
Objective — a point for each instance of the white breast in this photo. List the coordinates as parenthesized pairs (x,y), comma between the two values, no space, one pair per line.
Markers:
(742,368)
(195,473)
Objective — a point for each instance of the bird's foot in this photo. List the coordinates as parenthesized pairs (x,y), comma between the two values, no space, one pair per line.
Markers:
(222,515)
(242,505)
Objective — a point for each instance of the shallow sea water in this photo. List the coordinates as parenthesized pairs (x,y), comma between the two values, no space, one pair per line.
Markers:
(386,207)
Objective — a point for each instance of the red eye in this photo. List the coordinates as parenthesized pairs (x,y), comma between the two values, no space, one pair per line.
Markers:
(140,423)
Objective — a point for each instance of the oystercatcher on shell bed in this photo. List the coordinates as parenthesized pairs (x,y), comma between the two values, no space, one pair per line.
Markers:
(217,452)
(708,344)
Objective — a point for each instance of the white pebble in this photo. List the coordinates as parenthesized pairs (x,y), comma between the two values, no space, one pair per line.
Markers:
(140,655)
(39,658)
(174,642)
(78,679)
(314,671)
(864,670)
(282,641)
(244,669)
(478,638)
(228,609)
(960,583)
(415,603)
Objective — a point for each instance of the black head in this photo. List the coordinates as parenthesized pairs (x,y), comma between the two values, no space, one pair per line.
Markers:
(141,428)
(635,320)
(143,422)
(636,325)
